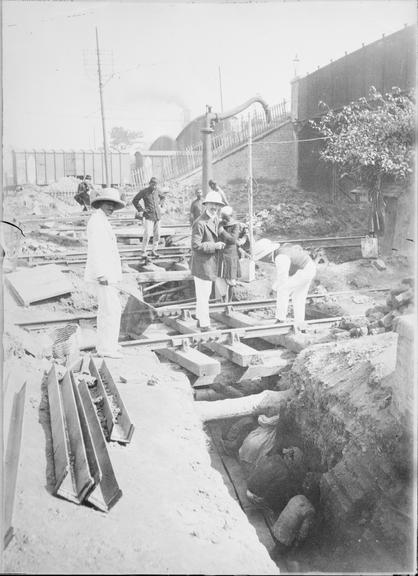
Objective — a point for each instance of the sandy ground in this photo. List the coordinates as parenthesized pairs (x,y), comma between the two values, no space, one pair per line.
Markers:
(175,515)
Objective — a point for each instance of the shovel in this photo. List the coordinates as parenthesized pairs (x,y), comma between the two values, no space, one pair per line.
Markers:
(137,315)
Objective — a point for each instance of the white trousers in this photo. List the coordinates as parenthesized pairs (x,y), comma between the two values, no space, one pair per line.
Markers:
(108,319)
(297,286)
(154,227)
(203,289)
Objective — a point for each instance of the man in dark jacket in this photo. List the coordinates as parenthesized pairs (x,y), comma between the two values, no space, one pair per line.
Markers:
(196,207)
(83,193)
(205,248)
(152,199)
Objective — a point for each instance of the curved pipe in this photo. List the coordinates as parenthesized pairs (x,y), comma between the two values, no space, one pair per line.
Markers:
(217,117)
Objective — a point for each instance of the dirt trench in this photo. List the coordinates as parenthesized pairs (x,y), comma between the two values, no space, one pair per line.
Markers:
(349,417)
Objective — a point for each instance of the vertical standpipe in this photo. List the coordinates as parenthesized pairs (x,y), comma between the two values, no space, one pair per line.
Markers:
(206,153)
(250,186)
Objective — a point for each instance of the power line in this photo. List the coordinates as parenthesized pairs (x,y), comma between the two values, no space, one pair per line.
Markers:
(294,141)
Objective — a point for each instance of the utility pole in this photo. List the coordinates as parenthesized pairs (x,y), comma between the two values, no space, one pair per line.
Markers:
(99,70)
(250,186)
(220,88)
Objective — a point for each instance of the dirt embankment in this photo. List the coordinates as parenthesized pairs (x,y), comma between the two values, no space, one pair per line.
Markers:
(345,419)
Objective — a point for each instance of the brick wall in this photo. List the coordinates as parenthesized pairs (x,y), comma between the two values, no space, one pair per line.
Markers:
(271,162)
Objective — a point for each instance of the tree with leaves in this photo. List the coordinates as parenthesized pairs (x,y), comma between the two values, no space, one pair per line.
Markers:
(370,140)
(121,138)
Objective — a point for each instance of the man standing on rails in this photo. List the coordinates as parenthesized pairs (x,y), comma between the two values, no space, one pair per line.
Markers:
(153,200)
(103,269)
(204,262)
(196,207)
(216,188)
(295,271)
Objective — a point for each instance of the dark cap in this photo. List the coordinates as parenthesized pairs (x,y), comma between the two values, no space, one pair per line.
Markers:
(153,180)
(88,177)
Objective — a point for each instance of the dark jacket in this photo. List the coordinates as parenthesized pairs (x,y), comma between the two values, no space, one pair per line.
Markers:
(151,199)
(204,262)
(83,193)
(229,267)
(196,209)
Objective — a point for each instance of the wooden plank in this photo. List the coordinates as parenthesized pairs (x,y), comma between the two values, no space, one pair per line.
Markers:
(122,426)
(272,362)
(240,320)
(182,326)
(101,391)
(83,481)
(163,276)
(138,231)
(192,360)
(107,492)
(238,352)
(63,483)
(202,381)
(38,284)
(11,462)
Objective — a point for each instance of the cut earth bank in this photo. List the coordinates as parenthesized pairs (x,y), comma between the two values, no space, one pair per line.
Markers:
(175,515)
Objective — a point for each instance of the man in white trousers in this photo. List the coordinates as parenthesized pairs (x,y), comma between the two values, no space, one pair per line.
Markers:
(103,270)
(295,271)
(205,249)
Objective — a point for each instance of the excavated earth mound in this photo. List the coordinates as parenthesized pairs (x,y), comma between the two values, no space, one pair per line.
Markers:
(347,417)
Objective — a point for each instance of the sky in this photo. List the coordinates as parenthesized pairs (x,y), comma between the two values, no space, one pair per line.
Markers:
(162,61)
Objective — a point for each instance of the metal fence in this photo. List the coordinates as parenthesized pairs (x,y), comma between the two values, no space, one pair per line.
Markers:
(191,159)
(43,167)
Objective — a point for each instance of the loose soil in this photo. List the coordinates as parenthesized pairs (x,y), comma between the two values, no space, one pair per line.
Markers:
(175,515)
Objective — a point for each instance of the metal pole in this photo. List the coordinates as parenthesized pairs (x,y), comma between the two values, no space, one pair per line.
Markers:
(99,70)
(206,153)
(220,88)
(250,186)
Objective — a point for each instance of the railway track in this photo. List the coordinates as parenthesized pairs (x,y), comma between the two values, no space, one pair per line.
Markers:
(175,253)
(254,348)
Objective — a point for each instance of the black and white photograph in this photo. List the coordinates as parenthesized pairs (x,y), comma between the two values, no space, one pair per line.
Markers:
(208,254)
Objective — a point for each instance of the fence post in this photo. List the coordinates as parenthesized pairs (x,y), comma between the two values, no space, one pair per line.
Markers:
(14,161)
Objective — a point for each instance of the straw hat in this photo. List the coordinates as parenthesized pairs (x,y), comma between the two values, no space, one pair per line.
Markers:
(263,248)
(108,195)
(213,197)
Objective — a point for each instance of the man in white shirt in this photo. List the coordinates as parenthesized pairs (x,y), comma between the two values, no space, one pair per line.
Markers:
(295,271)
(103,269)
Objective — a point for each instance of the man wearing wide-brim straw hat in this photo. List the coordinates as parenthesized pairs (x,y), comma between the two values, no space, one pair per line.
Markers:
(103,270)
(205,249)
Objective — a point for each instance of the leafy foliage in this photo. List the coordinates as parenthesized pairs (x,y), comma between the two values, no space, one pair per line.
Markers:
(371,138)
(121,138)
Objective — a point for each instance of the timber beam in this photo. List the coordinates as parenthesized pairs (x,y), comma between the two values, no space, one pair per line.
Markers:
(204,367)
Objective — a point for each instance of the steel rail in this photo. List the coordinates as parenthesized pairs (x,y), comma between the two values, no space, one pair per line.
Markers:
(171,309)
(166,250)
(258,331)
(59,320)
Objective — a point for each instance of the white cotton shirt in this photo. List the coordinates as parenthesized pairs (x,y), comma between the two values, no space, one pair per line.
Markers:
(102,252)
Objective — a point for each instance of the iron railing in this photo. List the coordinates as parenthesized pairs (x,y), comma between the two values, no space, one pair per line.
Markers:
(191,159)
